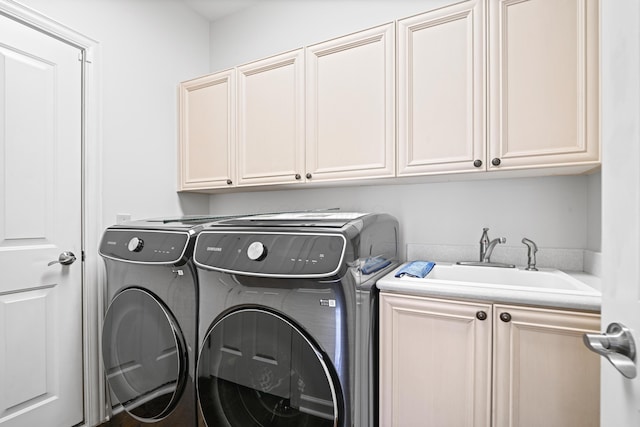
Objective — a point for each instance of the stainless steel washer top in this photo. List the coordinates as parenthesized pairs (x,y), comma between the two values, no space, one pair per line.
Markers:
(288,318)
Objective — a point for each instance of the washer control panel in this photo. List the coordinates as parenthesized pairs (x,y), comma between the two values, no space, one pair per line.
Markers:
(144,246)
(270,254)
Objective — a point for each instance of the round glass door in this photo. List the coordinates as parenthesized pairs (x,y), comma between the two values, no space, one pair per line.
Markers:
(144,356)
(256,369)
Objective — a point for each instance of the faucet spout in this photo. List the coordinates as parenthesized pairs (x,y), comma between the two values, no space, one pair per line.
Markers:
(486,256)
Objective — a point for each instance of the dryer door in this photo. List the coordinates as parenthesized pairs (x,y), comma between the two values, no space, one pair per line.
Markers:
(256,368)
(144,355)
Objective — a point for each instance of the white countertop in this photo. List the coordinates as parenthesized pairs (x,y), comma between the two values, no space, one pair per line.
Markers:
(589,299)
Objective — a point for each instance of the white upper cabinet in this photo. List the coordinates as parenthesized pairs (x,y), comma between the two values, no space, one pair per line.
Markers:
(441,120)
(543,68)
(207,132)
(351,106)
(541,103)
(482,85)
(271,120)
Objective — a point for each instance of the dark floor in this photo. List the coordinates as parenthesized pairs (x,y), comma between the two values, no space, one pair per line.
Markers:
(124,420)
(121,420)
(183,415)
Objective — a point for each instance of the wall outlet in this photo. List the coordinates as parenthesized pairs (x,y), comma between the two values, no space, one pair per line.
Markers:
(120,218)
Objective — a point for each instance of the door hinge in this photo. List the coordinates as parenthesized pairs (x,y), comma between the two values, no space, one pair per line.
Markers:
(82,257)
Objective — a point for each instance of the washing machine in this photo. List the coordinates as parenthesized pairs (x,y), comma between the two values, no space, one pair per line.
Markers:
(288,318)
(150,334)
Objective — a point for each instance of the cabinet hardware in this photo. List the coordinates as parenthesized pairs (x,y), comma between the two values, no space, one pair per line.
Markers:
(505,317)
(229,182)
(496,162)
(298,176)
(477,163)
(481,315)
(309,176)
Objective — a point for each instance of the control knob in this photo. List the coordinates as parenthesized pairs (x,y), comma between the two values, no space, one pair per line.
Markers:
(135,244)
(256,251)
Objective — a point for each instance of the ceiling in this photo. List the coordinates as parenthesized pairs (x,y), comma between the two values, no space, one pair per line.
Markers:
(217,9)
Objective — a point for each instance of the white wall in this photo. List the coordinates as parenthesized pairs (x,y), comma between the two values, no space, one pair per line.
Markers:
(550,210)
(278,26)
(146,49)
(556,212)
(594,213)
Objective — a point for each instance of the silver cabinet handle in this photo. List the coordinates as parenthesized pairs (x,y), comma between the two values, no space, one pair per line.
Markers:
(65,258)
(617,345)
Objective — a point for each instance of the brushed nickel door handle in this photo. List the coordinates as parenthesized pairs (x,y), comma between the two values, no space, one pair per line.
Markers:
(65,258)
(617,345)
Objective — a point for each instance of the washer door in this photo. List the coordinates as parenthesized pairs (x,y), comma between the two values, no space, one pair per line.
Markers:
(257,369)
(144,356)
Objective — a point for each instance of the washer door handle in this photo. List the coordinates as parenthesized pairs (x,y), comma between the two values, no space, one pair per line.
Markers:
(65,258)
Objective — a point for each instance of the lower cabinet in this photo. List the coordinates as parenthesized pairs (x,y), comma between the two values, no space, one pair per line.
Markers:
(459,363)
(435,362)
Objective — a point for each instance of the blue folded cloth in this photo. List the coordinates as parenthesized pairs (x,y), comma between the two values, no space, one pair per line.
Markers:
(416,269)
(373,264)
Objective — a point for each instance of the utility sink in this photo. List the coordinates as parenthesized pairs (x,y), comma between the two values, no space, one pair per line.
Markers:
(544,288)
(545,280)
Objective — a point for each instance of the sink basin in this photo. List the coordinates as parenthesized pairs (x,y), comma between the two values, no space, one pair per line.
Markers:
(547,280)
(544,288)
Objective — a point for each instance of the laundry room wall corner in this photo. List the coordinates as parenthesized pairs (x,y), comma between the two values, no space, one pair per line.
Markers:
(147,48)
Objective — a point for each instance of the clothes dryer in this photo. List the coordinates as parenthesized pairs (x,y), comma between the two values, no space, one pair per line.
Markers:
(288,313)
(149,335)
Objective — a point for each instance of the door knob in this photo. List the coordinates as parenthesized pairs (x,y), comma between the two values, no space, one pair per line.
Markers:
(65,258)
(617,345)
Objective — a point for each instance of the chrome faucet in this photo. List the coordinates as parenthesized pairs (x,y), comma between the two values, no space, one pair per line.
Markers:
(486,249)
(487,246)
(532,248)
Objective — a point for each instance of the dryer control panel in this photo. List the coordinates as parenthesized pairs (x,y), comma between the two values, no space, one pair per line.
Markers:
(270,254)
(144,246)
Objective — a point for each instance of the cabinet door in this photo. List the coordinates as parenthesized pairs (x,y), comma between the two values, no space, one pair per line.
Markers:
(543,373)
(441,112)
(271,120)
(207,132)
(543,70)
(435,367)
(351,106)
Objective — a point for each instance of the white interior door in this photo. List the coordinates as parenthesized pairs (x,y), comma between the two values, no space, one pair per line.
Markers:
(41,361)
(620,118)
